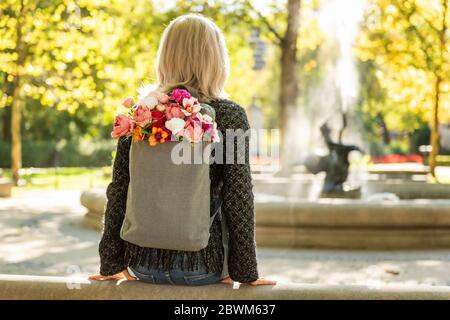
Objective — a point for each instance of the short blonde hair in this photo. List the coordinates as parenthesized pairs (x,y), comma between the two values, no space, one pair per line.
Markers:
(192,52)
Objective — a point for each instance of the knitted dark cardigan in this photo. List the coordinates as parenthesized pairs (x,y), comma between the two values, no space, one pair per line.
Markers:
(231,188)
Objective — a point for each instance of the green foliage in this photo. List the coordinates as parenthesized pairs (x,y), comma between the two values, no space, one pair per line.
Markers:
(49,153)
(401,53)
(82,57)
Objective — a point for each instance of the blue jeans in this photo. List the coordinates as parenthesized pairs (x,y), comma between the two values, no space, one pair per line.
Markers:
(198,277)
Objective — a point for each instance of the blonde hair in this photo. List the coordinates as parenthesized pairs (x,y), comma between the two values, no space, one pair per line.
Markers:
(193,53)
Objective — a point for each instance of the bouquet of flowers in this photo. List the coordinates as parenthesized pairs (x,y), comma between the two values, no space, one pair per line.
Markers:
(159,118)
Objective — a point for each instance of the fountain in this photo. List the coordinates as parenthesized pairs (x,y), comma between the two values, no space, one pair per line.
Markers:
(386,209)
(322,200)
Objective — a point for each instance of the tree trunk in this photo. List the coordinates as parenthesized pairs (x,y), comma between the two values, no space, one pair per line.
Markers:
(6,116)
(384,129)
(435,138)
(435,129)
(16,144)
(6,120)
(289,90)
(16,106)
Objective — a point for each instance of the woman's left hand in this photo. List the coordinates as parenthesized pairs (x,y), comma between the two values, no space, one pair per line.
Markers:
(259,282)
(227,280)
(124,275)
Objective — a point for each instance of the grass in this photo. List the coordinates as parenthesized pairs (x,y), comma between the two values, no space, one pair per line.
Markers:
(82,178)
(63,177)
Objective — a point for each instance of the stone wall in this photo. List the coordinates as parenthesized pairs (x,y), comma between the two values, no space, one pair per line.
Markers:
(66,288)
(334,223)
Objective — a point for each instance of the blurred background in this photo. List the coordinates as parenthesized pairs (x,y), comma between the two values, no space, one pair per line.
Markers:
(351,99)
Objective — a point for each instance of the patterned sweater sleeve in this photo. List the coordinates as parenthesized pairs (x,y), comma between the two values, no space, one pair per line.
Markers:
(112,247)
(238,199)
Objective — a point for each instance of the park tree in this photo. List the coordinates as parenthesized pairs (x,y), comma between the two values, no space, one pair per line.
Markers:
(406,44)
(292,27)
(65,65)
(289,66)
(50,54)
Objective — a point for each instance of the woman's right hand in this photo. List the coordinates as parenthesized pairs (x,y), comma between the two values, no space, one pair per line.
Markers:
(263,282)
(259,282)
(124,275)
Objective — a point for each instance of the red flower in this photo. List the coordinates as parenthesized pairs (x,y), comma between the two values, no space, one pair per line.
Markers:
(160,119)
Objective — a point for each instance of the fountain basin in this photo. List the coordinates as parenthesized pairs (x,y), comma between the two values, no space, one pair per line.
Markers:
(408,189)
(310,189)
(94,200)
(354,224)
(332,223)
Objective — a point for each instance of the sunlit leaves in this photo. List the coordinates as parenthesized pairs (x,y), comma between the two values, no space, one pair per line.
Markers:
(84,56)
(402,39)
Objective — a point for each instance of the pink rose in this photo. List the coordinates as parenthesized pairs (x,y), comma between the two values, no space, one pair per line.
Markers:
(179,94)
(142,115)
(196,119)
(173,110)
(128,102)
(123,125)
(193,133)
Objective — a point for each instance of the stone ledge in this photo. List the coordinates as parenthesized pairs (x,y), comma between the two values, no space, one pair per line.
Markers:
(360,214)
(56,288)
(353,238)
(337,223)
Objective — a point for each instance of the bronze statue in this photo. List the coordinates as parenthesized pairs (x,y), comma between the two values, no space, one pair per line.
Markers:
(335,163)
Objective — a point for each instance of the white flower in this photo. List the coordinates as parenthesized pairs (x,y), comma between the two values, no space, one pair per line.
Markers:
(175,125)
(190,106)
(149,101)
(145,90)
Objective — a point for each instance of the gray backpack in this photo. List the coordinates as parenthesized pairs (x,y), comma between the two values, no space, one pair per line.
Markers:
(168,204)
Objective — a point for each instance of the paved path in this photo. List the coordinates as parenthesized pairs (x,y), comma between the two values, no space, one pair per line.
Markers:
(41,233)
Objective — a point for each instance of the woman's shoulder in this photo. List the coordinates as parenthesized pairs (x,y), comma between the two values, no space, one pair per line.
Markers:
(224,104)
(229,114)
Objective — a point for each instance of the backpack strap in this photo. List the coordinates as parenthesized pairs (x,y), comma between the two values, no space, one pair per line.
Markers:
(225,239)
(213,217)
(207,109)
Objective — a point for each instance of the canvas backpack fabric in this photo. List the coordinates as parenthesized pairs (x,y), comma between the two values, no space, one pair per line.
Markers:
(168,204)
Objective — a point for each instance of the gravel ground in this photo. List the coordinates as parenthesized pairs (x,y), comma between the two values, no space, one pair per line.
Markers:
(41,233)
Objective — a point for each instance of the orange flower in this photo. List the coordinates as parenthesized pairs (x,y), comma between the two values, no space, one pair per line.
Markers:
(137,134)
(158,135)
